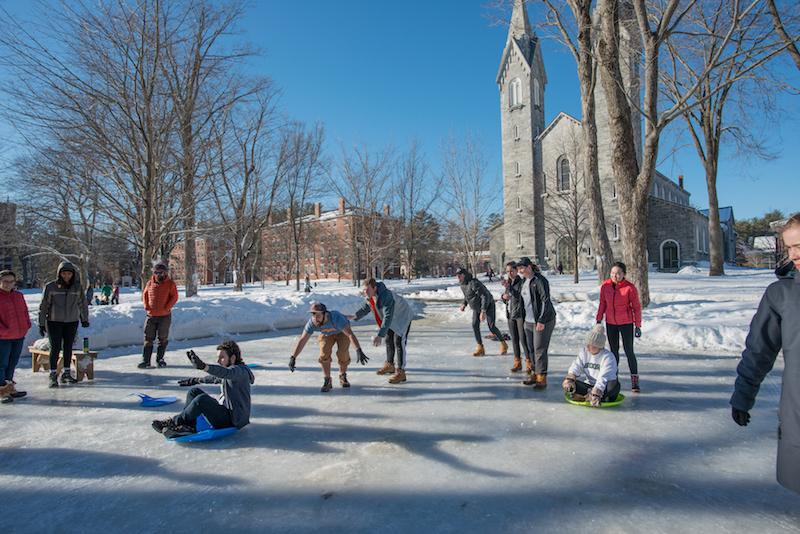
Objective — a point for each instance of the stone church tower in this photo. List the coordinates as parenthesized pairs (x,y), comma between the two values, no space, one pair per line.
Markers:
(521,79)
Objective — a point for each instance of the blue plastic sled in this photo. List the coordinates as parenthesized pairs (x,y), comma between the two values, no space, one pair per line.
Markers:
(254,365)
(152,402)
(205,432)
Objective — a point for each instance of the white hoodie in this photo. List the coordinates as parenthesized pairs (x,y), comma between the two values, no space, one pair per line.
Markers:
(595,369)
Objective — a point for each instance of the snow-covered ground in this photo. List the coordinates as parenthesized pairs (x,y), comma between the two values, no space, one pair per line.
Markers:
(461,447)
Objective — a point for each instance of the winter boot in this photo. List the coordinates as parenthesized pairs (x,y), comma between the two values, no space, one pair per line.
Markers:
(479,350)
(16,394)
(635,383)
(503,348)
(528,366)
(517,365)
(66,377)
(147,355)
(160,356)
(387,369)
(541,382)
(343,380)
(160,426)
(531,380)
(5,393)
(327,385)
(53,379)
(399,377)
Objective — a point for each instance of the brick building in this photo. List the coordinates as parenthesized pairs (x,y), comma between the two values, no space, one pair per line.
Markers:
(213,262)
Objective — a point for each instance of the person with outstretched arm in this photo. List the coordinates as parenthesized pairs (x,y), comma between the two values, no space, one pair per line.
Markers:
(232,409)
(393,316)
(334,329)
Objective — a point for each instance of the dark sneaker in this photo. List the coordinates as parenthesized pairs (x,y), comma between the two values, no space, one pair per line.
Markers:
(343,381)
(18,394)
(635,384)
(161,363)
(160,426)
(327,385)
(178,431)
(66,377)
(144,365)
(53,379)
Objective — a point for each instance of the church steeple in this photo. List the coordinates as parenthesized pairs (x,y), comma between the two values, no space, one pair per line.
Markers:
(520,28)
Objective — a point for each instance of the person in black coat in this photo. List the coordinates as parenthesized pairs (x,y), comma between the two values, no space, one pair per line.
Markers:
(515,313)
(477,297)
(540,319)
(776,327)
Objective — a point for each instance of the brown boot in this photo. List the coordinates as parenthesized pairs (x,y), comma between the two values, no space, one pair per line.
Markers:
(479,350)
(387,369)
(517,366)
(398,377)
(531,380)
(503,348)
(541,382)
(528,366)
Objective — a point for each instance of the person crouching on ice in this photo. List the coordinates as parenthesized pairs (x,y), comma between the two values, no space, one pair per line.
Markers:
(593,374)
(233,406)
(333,328)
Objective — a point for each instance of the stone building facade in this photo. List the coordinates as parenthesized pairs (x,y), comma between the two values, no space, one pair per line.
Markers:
(545,209)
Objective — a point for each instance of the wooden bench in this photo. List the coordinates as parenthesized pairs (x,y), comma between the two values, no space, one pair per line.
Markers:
(83,362)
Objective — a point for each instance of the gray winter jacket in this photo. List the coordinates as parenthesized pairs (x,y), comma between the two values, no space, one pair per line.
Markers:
(475,293)
(394,311)
(515,306)
(776,326)
(62,303)
(236,381)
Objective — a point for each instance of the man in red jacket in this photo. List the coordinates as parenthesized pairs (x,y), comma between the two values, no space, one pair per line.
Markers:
(159,296)
(619,302)
(14,324)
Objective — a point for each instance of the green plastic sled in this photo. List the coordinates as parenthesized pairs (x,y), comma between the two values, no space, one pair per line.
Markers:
(607,404)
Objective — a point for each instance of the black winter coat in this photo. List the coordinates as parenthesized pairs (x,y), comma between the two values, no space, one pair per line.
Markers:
(776,326)
(515,306)
(543,310)
(475,293)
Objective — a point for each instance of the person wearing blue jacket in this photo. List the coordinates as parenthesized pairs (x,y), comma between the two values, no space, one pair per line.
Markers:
(393,316)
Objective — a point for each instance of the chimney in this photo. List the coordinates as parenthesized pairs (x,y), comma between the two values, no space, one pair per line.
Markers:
(680,181)
(386,210)
(341,205)
(317,209)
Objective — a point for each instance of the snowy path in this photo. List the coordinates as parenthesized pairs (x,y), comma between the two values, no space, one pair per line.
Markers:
(462,447)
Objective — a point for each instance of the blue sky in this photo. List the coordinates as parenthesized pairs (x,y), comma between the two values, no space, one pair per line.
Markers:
(380,72)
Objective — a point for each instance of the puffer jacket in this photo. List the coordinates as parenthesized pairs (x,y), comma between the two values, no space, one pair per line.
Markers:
(64,303)
(515,306)
(14,319)
(776,327)
(159,297)
(619,303)
(475,293)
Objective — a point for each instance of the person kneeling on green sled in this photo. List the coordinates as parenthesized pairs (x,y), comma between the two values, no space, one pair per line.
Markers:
(593,375)
(233,407)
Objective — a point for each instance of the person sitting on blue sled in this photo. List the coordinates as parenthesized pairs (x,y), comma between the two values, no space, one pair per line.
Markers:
(233,407)
(593,375)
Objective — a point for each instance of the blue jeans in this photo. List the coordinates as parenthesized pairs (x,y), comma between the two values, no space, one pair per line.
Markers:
(10,350)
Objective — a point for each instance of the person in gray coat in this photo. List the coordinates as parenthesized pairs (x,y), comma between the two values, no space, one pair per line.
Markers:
(776,327)
(63,305)
(233,406)
(393,316)
(481,301)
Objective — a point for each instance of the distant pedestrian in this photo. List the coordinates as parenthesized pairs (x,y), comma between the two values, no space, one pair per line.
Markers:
(89,294)
(540,320)
(115,294)
(776,327)
(14,325)
(481,301)
(560,268)
(105,293)
(159,296)
(620,305)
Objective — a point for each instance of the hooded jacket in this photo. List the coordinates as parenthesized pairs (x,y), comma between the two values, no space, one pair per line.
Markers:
(475,293)
(159,297)
(63,303)
(776,327)
(619,303)
(515,306)
(14,319)
(235,385)
(394,311)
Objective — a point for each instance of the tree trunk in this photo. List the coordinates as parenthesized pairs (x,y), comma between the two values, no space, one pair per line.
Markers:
(716,250)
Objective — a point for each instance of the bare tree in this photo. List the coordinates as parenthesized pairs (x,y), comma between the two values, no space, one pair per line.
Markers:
(469,195)
(784,24)
(694,51)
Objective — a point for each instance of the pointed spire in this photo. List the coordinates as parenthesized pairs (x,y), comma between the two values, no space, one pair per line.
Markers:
(520,27)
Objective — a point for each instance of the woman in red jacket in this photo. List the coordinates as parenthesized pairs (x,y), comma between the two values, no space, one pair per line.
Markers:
(619,302)
(14,324)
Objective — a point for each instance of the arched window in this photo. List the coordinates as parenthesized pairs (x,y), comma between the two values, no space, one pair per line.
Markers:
(515,93)
(562,179)
(536,98)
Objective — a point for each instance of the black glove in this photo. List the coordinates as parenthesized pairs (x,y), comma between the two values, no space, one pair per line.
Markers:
(361,357)
(189,382)
(292,363)
(42,331)
(600,321)
(84,324)
(637,332)
(195,359)
(740,416)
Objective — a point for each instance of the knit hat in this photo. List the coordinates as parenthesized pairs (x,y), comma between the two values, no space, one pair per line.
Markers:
(596,337)
(160,265)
